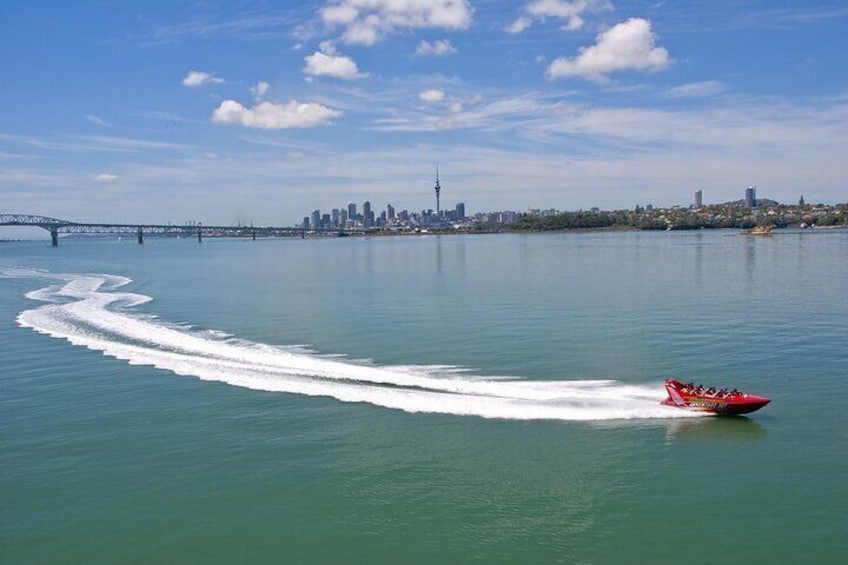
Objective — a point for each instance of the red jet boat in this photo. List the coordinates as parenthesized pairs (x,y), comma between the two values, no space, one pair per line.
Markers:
(718,401)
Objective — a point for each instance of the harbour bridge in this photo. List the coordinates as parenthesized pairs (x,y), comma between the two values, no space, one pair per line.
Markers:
(56,227)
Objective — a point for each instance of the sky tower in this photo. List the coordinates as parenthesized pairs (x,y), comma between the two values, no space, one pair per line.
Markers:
(438,188)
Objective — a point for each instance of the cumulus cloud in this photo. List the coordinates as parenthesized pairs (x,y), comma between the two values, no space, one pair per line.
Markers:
(440,47)
(569,11)
(432,95)
(367,21)
(198,78)
(328,62)
(267,115)
(630,45)
(106,177)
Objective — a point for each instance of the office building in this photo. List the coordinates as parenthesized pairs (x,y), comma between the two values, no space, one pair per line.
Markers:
(751,197)
(367,214)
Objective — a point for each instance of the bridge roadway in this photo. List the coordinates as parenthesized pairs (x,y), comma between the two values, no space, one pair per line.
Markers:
(56,226)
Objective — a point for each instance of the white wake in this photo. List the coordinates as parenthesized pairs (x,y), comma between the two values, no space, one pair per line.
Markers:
(91,311)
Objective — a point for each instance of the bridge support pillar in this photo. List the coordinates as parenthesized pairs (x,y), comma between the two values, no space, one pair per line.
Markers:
(199,236)
(140,236)
(54,237)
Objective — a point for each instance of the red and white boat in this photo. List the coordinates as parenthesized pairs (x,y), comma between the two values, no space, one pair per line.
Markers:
(709,399)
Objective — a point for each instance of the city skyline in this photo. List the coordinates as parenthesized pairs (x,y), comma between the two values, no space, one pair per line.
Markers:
(263,111)
(348,217)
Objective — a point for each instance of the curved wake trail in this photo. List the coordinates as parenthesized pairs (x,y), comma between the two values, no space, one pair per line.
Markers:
(91,311)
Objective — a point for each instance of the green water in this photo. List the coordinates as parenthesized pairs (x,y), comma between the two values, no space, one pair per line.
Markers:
(109,459)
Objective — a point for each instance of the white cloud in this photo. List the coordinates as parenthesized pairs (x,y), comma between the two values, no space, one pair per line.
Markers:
(520,24)
(198,78)
(106,177)
(328,62)
(630,45)
(97,120)
(267,115)
(698,89)
(432,95)
(440,47)
(568,10)
(260,88)
(367,21)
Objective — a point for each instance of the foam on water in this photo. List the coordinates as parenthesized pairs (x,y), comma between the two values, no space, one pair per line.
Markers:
(90,311)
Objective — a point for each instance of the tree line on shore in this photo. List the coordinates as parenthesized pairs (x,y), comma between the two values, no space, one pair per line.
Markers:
(681,219)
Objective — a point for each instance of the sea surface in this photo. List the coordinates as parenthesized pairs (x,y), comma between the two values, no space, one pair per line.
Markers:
(432,399)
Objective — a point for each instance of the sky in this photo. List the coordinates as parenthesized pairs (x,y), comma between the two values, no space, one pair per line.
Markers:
(245,111)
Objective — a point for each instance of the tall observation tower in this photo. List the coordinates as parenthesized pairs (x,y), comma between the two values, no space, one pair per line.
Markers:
(438,189)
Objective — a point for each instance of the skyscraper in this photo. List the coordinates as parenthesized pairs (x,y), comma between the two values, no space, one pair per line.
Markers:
(460,211)
(367,215)
(351,211)
(316,219)
(699,198)
(751,197)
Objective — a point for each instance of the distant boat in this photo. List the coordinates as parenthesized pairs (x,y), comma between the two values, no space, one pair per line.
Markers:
(764,229)
(702,399)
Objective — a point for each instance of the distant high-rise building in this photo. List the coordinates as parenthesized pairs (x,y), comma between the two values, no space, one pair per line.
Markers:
(390,212)
(699,198)
(316,219)
(306,222)
(351,211)
(367,215)
(801,201)
(343,217)
(751,197)
(325,221)
(460,211)
(335,217)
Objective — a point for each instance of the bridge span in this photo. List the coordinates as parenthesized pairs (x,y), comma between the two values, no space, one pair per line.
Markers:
(56,227)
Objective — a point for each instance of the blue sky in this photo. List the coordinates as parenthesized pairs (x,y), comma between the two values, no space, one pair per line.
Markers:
(227,112)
